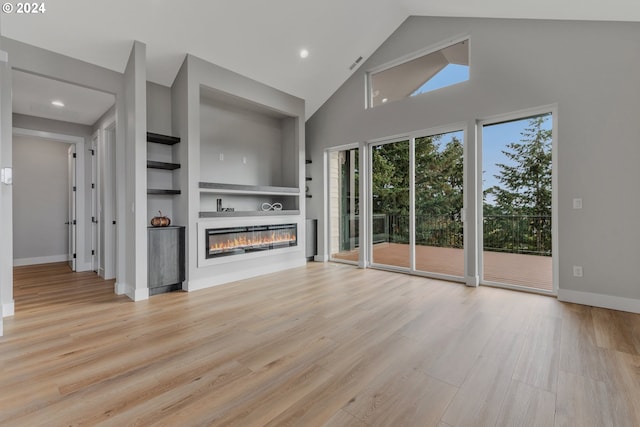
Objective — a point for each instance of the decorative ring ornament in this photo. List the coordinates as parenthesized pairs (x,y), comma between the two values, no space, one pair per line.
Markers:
(271,207)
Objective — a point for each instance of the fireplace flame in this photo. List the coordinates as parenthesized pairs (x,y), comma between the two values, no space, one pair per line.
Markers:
(249,242)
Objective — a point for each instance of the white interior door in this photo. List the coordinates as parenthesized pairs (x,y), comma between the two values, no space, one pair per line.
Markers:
(71,223)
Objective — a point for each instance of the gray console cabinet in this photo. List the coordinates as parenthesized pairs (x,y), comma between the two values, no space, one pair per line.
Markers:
(166,259)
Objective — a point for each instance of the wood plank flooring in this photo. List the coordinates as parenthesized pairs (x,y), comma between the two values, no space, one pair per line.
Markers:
(321,345)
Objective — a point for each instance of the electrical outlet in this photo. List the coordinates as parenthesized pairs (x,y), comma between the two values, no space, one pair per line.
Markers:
(577,203)
(221,157)
(577,271)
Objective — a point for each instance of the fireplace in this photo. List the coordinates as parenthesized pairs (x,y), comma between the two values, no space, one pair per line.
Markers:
(221,242)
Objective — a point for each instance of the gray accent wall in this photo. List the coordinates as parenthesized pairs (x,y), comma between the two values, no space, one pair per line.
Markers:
(588,69)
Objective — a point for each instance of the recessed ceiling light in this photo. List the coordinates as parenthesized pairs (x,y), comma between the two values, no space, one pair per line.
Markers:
(304,53)
(57,103)
(384,100)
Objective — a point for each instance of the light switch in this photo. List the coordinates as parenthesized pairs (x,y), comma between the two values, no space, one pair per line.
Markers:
(577,203)
(6,176)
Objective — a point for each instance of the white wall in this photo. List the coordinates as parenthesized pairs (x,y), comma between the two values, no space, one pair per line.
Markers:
(589,69)
(40,200)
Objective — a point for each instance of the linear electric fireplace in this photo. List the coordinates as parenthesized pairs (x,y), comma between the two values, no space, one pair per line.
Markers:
(222,242)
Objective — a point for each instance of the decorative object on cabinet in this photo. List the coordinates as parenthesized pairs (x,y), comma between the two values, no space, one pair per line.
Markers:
(160,220)
(271,207)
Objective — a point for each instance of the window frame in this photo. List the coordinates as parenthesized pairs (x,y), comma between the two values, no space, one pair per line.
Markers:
(410,57)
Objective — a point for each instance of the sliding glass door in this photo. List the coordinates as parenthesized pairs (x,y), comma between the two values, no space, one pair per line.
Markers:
(517,202)
(416,202)
(390,204)
(438,204)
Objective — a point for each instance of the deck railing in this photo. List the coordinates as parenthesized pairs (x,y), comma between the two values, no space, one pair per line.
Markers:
(524,234)
(520,234)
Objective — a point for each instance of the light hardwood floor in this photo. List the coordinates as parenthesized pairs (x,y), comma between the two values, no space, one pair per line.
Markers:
(322,345)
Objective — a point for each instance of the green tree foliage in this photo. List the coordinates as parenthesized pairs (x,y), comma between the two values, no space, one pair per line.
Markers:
(438,177)
(520,217)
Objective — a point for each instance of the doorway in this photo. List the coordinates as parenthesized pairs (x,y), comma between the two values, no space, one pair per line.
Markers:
(517,202)
(344,205)
(47,228)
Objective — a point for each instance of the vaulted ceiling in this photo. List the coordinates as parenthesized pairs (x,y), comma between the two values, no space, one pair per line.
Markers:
(262,39)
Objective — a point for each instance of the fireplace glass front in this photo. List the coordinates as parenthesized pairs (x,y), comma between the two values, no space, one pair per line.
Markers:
(240,240)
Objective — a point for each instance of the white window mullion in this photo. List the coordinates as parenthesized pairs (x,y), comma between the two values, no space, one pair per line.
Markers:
(412,204)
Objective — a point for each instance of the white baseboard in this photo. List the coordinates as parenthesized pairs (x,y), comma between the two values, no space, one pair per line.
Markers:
(8,309)
(40,260)
(87,266)
(209,282)
(137,294)
(599,300)
(120,288)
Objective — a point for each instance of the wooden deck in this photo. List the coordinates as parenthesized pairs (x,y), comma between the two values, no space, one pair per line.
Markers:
(321,345)
(515,269)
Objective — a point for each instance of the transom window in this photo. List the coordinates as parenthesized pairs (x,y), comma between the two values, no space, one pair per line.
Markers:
(420,74)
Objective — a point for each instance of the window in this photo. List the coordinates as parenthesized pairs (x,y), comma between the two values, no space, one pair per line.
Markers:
(420,74)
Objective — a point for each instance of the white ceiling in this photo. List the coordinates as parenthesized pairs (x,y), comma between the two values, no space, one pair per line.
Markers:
(32,95)
(261,39)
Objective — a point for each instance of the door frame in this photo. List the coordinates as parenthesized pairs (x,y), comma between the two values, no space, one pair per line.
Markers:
(73,207)
(95,235)
(107,199)
(82,262)
(328,222)
(518,115)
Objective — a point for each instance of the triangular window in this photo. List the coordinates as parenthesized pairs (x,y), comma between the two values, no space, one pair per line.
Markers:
(419,74)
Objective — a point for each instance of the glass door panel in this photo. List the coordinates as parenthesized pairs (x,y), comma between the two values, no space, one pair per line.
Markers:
(438,204)
(344,205)
(517,197)
(390,204)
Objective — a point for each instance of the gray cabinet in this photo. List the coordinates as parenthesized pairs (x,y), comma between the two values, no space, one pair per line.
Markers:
(311,248)
(166,259)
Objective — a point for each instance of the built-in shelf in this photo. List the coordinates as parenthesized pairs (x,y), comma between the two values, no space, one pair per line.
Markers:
(162,165)
(152,164)
(163,192)
(162,139)
(237,214)
(265,190)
